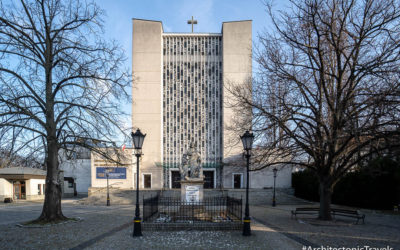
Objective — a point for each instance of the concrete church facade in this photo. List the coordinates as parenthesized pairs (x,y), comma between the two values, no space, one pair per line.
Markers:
(178,96)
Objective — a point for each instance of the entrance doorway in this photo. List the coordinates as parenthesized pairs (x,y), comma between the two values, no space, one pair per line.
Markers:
(237,180)
(19,190)
(208,178)
(175,179)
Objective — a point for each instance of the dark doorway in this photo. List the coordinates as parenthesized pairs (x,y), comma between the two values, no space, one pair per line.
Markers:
(147,180)
(237,180)
(208,178)
(175,179)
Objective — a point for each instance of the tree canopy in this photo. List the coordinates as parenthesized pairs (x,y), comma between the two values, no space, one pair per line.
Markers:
(61,83)
(328,90)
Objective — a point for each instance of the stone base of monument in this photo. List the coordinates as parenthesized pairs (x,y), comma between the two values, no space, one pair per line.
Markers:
(192,191)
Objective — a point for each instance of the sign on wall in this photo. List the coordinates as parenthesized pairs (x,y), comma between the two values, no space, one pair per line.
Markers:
(113,173)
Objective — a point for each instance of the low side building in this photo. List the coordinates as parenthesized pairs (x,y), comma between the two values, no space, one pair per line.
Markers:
(76,171)
(118,164)
(88,175)
(234,175)
(21,183)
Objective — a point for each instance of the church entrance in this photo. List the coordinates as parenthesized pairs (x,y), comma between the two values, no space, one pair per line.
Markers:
(175,179)
(208,178)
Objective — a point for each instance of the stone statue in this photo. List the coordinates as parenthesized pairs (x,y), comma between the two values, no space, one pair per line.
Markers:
(191,162)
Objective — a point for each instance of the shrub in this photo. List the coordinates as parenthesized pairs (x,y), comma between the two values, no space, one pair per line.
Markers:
(376,185)
(305,184)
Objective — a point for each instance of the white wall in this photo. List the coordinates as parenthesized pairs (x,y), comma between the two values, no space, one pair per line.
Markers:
(32,191)
(5,189)
(259,179)
(265,178)
(98,161)
(78,169)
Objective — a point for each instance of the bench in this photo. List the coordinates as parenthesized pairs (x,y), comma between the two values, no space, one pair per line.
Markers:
(334,211)
(305,210)
(348,213)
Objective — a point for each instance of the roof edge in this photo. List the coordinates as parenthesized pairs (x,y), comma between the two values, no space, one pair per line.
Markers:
(148,20)
(249,20)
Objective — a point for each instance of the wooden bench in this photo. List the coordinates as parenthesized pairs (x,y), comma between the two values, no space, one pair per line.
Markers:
(348,213)
(304,210)
(334,211)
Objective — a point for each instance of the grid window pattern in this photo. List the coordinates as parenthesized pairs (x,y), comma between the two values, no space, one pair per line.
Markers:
(192,98)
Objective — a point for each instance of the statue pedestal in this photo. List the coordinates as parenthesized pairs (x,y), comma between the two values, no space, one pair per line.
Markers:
(192,191)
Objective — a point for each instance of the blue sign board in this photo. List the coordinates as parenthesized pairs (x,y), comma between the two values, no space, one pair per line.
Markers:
(113,173)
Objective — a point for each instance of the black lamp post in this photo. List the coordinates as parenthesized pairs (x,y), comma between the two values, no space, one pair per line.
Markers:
(138,139)
(273,197)
(247,140)
(108,191)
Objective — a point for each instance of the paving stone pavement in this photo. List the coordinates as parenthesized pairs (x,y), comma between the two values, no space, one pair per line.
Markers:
(380,229)
(110,228)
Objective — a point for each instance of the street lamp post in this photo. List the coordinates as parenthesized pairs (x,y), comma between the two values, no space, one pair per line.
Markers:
(247,140)
(138,139)
(273,197)
(108,191)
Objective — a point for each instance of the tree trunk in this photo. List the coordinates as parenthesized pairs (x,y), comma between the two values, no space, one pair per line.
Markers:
(52,203)
(325,195)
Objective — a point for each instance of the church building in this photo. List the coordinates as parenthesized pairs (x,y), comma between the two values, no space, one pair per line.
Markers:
(179,98)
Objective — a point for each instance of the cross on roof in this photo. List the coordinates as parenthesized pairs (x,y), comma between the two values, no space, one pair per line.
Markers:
(192,22)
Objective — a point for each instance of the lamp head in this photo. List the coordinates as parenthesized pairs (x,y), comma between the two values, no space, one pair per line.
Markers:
(247,140)
(275,171)
(138,139)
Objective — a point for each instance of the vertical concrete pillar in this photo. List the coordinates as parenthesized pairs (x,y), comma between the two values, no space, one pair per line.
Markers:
(237,69)
(147,94)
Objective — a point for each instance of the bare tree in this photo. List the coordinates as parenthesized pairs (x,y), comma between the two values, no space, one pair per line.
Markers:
(11,160)
(60,83)
(328,86)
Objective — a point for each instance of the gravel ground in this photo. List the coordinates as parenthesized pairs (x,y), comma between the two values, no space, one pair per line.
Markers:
(277,230)
(380,230)
(98,220)
(262,238)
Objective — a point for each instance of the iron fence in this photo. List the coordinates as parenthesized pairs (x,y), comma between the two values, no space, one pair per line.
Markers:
(150,207)
(234,206)
(172,209)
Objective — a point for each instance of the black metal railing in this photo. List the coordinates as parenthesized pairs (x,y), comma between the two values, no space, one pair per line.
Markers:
(234,206)
(173,209)
(150,207)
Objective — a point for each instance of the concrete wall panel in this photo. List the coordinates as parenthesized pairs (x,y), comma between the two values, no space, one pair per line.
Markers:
(237,69)
(146,91)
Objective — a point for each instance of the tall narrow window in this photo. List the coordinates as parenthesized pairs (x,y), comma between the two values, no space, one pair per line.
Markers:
(147,180)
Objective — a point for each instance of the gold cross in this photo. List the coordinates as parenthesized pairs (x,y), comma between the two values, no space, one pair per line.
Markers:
(192,22)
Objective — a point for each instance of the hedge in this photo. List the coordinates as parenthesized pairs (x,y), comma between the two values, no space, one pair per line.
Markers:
(374,186)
